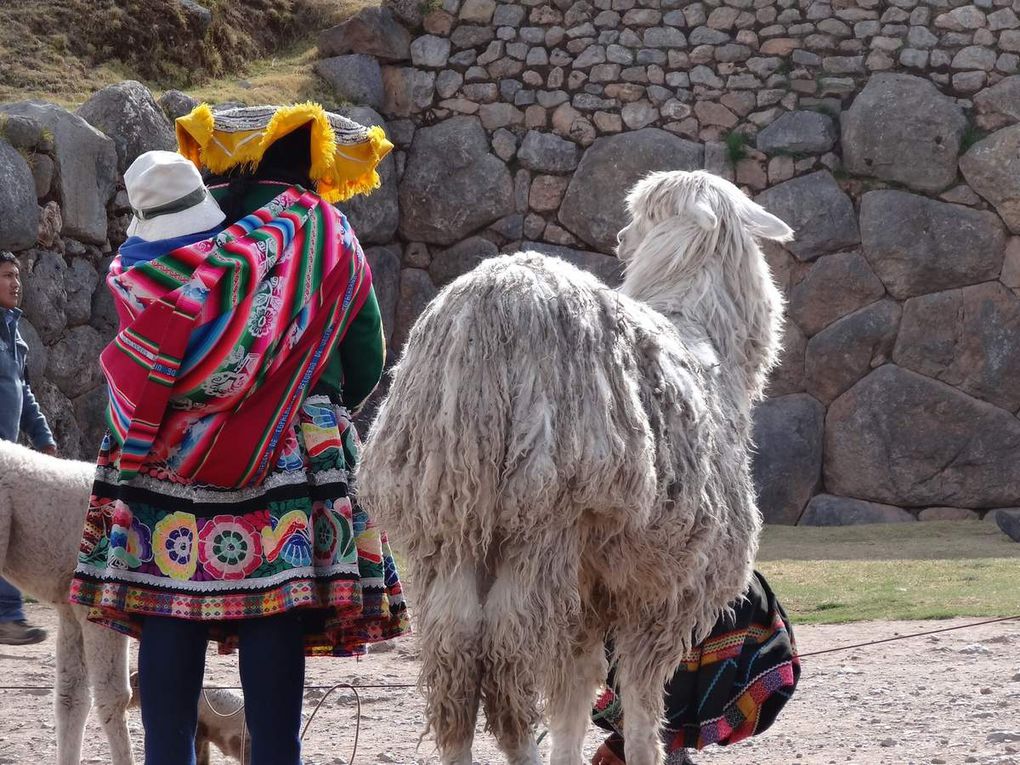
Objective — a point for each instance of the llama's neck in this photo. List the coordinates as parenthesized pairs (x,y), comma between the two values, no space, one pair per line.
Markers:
(739,310)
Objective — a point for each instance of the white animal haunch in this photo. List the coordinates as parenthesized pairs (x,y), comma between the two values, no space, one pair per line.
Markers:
(42,514)
(560,462)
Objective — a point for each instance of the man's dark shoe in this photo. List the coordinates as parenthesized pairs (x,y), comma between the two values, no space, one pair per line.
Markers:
(20,633)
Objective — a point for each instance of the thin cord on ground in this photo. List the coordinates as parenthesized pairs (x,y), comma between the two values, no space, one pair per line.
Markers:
(357,725)
(399,686)
(837,649)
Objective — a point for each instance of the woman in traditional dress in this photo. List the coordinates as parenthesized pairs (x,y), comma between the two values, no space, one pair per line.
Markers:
(729,687)
(223,507)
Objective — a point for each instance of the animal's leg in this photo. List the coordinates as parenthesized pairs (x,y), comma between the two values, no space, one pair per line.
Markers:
(515,630)
(107,663)
(72,698)
(202,756)
(646,656)
(449,637)
(570,697)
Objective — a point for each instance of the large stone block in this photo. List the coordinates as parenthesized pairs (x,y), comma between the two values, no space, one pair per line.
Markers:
(827,510)
(902,129)
(373,31)
(73,361)
(127,114)
(356,79)
(835,286)
(86,168)
(903,439)
(19,213)
(430,51)
(90,411)
(844,352)
(917,245)
(452,185)
(968,338)
(62,419)
(999,106)
(802,132)
(407,91)
(819,212)
(45,289)
(992,168)
(788,455)
(548,153)
(176,104)
(593,207)
(80,282)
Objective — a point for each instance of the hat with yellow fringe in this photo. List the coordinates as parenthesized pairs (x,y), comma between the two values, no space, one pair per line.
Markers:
(344,154)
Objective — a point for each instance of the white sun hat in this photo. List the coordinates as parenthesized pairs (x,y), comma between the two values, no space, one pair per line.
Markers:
(168,198)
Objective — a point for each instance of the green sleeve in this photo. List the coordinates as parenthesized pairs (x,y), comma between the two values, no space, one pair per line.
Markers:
(357,364)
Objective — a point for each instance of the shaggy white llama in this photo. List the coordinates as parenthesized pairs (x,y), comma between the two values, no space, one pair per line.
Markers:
(42,513)
(562,463)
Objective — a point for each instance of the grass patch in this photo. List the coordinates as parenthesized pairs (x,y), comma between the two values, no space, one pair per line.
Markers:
(736,146)
(895,571)
(971,135)
(285,78)
(930,570)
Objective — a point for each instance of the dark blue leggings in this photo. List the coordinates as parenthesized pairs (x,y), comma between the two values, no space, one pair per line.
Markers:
(171,662)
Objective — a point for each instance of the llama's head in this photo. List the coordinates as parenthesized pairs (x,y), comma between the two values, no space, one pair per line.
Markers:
(696,205)
(690,250)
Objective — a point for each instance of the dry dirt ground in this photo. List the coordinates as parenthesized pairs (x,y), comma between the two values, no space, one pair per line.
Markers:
(950,698)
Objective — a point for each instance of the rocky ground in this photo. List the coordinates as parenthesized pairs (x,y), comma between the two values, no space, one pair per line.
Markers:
(950,698)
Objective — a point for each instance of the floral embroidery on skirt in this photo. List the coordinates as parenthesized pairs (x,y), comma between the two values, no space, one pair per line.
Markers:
(153,546)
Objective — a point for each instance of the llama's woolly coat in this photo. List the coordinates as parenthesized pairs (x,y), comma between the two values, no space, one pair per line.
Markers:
(561,463)
(42,501)
(42,511)
(532,399)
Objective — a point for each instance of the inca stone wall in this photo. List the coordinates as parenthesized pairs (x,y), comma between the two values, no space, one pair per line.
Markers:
(885,133)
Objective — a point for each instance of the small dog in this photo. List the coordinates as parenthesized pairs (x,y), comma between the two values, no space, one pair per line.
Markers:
(220,722)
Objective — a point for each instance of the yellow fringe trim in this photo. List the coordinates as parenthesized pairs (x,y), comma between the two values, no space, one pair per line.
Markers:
(339,171)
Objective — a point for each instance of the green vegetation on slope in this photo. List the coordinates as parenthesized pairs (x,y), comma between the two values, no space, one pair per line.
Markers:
(65,50)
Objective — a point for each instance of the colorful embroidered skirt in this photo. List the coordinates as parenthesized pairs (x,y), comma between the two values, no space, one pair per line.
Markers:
(730,687)
(156,547)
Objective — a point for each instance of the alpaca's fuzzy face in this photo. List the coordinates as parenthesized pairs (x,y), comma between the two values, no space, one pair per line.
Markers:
(695,200)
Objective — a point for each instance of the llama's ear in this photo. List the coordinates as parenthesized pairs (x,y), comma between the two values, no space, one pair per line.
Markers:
(760,222)
(704,216)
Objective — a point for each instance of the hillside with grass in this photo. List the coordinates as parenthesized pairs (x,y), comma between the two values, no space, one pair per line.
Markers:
(254,51)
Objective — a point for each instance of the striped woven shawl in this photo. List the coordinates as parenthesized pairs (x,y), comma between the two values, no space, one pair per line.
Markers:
(220,341)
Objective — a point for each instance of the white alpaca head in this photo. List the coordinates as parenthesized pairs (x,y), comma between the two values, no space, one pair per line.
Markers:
(690,252)
(692,204)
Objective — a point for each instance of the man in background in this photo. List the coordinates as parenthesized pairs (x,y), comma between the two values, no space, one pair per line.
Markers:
(19,412)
